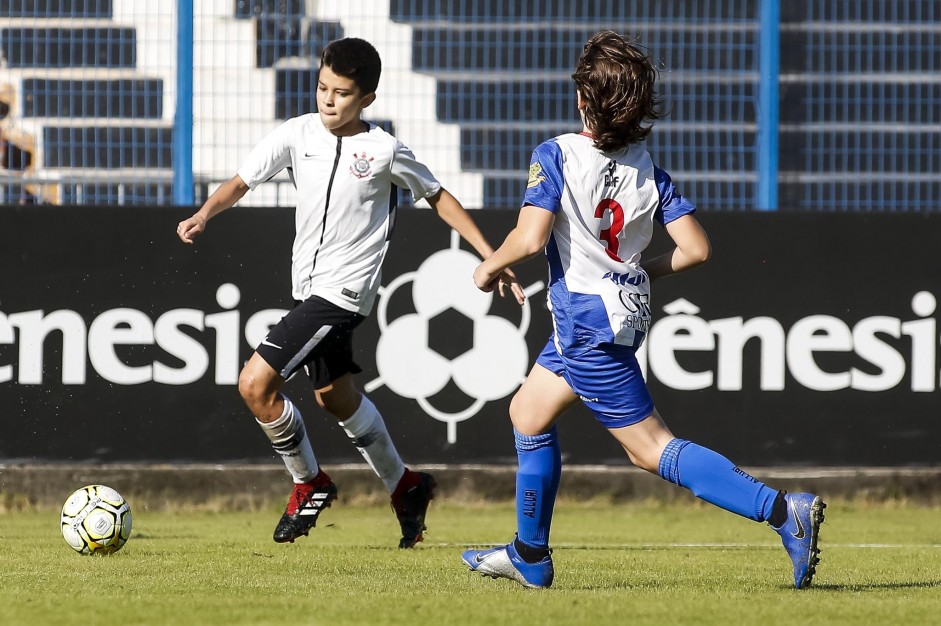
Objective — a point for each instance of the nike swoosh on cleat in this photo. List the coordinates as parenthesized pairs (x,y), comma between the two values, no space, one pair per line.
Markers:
(797,520)
(477,559)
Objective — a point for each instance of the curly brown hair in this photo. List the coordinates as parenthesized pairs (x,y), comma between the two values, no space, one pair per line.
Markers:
(615,78)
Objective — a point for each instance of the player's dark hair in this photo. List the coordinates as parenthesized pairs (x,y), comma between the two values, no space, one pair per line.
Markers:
(615,78)
(355,59)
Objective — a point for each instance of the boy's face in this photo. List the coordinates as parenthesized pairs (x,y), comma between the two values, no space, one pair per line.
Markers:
(340,102)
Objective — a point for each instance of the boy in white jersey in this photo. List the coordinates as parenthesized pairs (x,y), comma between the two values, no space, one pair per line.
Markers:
(345,171)
(591,202)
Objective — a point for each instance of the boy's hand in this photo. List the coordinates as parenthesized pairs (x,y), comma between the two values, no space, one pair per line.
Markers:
(189,228)
(508,279)
(487,282)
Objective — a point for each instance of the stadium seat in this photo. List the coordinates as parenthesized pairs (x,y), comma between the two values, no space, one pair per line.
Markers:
(99,193)
(33,47)
(595,11)
(277,37)
(135,98)
(295,91)
(107,147)
(58,8)
(246,9)
(319,34)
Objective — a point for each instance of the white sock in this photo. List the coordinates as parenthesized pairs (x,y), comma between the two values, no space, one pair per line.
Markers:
(288,437)
(367,431)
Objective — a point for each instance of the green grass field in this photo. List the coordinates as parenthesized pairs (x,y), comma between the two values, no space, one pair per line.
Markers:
(632,564)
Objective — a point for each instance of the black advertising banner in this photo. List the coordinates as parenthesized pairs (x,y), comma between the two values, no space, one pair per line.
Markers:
(808,339)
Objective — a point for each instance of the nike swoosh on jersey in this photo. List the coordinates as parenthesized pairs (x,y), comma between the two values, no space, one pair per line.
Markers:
(265,342)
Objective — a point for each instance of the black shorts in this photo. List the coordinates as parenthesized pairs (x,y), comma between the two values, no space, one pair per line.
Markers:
(315,335)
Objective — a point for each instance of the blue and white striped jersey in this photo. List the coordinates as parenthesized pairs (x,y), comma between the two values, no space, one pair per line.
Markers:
(605,206)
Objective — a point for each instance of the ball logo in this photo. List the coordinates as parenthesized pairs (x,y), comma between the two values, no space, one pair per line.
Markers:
(101,524)
(485,355)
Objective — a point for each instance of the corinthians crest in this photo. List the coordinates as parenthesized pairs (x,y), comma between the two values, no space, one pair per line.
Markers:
(361,167)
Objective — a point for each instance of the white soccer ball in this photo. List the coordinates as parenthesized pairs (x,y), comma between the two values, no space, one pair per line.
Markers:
(96,520)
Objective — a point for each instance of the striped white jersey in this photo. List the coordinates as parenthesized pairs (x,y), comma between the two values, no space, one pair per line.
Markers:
(345,204)
(605,206)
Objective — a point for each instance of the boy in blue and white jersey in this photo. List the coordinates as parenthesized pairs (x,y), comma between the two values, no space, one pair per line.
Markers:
(591,203)
(345,171)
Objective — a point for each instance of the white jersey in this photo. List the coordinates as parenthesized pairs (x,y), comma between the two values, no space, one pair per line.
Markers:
(605,206)
(345,207)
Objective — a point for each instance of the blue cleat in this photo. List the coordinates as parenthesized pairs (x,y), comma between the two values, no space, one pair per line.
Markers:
(799,534)
(505,562)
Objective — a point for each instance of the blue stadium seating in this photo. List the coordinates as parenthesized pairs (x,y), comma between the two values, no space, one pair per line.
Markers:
(504,76)
(295,91)
(56,8)
(277,37)
(859,94)
(245,9)
(858,100)
(110,193)
(107,147)
(858,131)
(319,34)
(66,104)
(595,11)
(137,98)
(113,47)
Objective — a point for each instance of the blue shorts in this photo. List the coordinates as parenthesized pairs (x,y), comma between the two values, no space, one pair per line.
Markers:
(608,380)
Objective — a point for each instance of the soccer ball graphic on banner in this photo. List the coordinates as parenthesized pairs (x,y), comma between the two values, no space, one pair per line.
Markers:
(96,520)
(490,365)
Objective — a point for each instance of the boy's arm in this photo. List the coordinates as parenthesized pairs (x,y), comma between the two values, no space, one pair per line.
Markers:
(527,240)
(692,249)
(221,199)
(456,216)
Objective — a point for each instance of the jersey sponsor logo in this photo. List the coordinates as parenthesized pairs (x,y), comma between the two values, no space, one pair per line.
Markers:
(535,175)
(361,167)
(610,180)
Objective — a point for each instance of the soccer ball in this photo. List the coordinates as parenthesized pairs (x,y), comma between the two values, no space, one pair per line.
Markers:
(96,520)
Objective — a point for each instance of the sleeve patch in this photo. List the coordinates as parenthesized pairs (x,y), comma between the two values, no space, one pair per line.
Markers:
(535,175)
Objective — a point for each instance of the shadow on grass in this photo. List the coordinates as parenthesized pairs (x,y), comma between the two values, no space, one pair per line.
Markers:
(915,584)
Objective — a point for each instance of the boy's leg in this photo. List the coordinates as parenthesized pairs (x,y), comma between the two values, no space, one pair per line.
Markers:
(537,484)
(715,479)
(308,330)
(795,517)
(411,492)
(313,490)
(536,406)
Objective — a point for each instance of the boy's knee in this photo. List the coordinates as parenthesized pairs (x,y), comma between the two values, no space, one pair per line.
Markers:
(254,390)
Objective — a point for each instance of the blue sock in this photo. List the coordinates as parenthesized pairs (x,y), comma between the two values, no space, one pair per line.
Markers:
(537,482)
(715,479)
